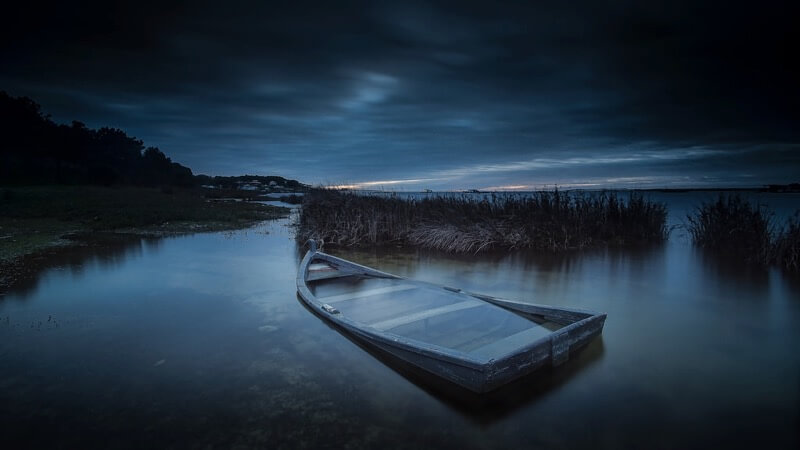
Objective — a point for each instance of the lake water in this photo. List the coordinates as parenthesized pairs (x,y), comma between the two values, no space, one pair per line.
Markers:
(201,341)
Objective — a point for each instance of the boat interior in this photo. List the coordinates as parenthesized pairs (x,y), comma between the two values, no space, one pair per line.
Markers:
(428,313)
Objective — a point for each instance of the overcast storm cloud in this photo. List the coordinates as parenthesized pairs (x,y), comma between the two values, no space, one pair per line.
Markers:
(451,95)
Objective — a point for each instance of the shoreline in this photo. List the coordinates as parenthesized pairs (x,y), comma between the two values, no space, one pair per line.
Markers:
(18,268)
(42,225)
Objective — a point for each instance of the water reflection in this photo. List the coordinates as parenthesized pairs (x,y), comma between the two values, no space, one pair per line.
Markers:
(729,270)
(538,278)
(103,250)
(200,341)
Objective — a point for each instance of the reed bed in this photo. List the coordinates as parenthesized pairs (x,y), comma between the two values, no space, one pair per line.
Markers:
(735,227)
(786,246)
(551,221)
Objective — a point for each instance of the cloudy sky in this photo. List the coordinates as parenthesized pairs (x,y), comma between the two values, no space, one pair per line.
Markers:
(451,95)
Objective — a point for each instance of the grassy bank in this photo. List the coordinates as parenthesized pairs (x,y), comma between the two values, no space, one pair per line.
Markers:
(551,221)
(37,217)
(734,227)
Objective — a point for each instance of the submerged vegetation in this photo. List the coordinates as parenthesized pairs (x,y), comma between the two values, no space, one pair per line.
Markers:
(551,221)
(733,226)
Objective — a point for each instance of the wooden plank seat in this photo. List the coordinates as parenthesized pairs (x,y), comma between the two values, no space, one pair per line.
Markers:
(317,267)
(322,271)
(366,293)
(327,274)
(511,343)
(428,313)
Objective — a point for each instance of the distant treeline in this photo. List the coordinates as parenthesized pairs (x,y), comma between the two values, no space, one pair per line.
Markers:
(793,187)
(36,150)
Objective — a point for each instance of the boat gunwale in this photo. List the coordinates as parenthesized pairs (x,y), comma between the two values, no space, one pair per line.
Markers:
(423,348)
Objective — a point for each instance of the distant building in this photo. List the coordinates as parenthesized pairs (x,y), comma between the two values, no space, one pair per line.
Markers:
(250,185)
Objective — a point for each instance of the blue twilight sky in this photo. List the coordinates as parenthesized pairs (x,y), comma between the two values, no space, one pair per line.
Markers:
(441,95)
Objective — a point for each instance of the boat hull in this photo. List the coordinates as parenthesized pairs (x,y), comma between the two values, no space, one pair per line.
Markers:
(462,369)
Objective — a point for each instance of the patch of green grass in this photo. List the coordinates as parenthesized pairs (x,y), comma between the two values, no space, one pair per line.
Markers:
(24,236)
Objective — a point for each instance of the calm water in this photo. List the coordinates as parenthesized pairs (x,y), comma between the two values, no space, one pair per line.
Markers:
(200,341)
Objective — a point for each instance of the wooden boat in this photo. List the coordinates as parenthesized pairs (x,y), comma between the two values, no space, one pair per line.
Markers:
(476,341)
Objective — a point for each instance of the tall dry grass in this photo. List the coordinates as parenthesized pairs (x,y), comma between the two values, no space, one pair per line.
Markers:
(786,246)
(551,221)
(735,227)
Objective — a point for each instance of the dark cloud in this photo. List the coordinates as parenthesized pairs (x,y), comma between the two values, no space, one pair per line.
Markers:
(466,94)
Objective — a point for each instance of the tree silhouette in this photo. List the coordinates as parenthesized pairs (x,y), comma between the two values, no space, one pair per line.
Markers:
(34,149)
